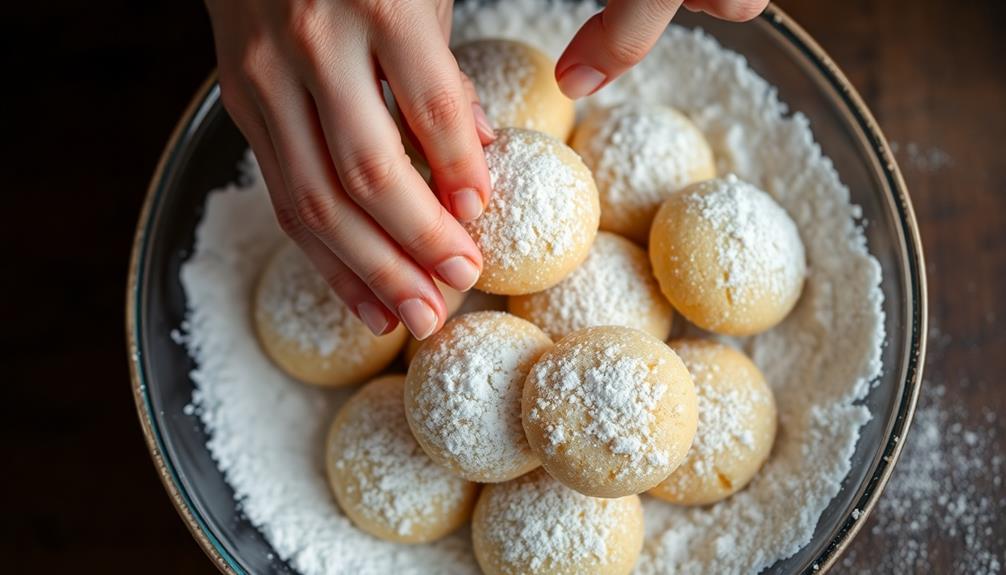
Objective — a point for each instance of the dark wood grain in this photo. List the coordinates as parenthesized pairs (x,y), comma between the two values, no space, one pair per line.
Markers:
(93,91)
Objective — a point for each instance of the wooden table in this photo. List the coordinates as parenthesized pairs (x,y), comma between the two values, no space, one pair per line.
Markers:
(102,90)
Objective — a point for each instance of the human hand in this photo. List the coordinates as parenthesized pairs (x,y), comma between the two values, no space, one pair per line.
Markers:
(301,79)
(618,37)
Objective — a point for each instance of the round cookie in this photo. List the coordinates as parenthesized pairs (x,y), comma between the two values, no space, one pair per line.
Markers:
(640,154)
(727,257)
(610,411)
(534,524)
(541,218)
(463,395)
(380,476)
(613,286)
(737,425)
(516,86)
(308,332)
(454,300)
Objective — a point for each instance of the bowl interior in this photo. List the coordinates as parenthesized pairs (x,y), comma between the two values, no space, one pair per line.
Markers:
(206,155)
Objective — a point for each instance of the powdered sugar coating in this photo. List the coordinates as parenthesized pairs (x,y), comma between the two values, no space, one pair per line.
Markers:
(534,524)
(266,431)
(463,394)
(542,215)
(383,479)
(640,154)
(308,330)
(303,309)
(610,410)
(613,286)
(727,256)
(737,424)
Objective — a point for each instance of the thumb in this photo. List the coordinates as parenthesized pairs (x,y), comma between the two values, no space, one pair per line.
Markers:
(610,43)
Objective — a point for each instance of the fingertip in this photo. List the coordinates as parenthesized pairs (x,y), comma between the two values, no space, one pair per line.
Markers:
(482,125)
(376,317)
(580,80)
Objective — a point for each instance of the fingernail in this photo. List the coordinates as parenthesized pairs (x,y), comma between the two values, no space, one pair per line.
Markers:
(372,317)
(459,272)
(579,81)
(418,316)
(482,122)
(467,204)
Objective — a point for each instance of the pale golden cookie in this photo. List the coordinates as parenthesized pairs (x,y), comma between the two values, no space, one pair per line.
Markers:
(534,524)
(727,256)
(463,394)
(737,425)
(541,218)
(516,85)
(382,479)
(610,411)
(640,154)
(613,286)
(309,332)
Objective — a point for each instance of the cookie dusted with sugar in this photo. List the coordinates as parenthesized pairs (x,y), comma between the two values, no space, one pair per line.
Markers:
(727,256)
(382,479)
(534,524)
(737,425)
(613,286)
(640,154)
(610,411)
(463,395)
(541,218)
(308,332)
(516,85)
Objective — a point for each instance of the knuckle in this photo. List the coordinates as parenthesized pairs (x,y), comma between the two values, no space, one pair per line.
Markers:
(439,109)
(255,65)
(316,210)
(625,50)
(386,14)
(308,27)
(368,176)
(289,222)
(381,277)
(429,237)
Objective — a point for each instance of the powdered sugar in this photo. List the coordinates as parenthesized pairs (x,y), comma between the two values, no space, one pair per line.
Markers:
(616,390)
(613,286)
(538,521)
(469,398)
(302,308)
(501,73)
(757,245)
(640,154)
(535,209)
(395,481)
(266,430)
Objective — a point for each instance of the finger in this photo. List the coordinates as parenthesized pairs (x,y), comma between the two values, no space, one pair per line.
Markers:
(357,296)
(375,172)
(427,84)
(329,214)
(482,125)
(610,43)
(734,10)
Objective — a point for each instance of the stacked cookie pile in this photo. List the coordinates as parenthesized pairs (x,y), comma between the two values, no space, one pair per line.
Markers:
(544,423)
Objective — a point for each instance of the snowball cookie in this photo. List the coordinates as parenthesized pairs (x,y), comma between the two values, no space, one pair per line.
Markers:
(737,424)
(516,85)
(640,154)
(454,300)
(534,524)
(309,332)
(380,476)
(463,394)
(614,286)
(727,257)
(541,218)
(610,411)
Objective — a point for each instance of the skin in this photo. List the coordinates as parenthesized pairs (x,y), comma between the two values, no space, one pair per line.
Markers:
(302,81)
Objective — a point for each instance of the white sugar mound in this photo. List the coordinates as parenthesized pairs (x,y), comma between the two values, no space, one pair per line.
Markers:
(267,431)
